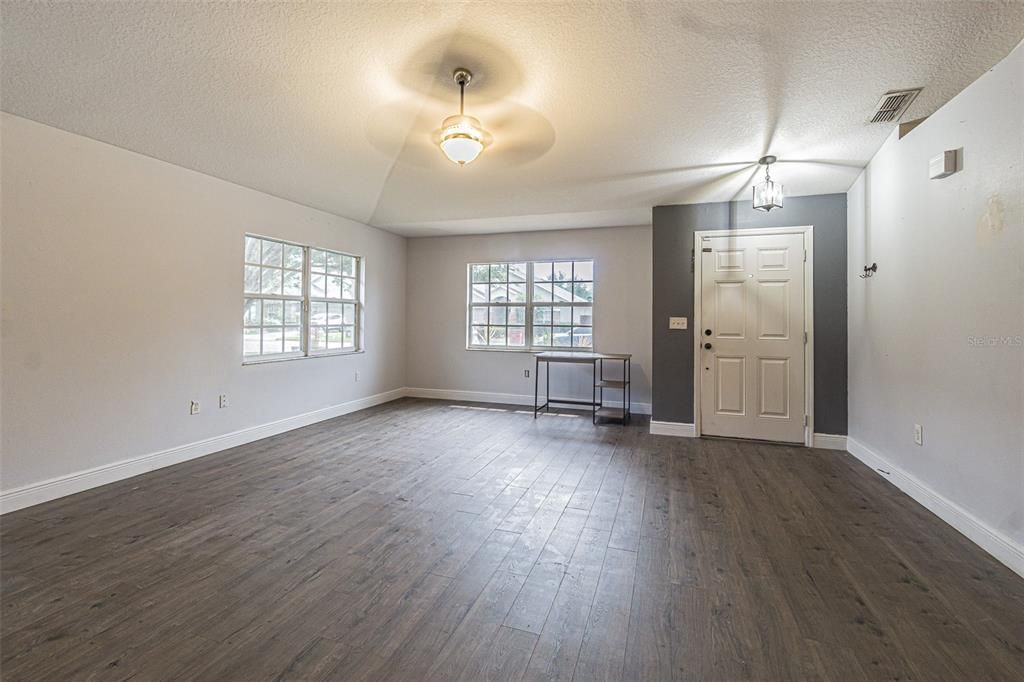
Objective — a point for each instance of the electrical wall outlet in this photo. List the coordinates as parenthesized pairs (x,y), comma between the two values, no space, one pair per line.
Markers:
(526,373)
(193,407)
(918,434)
(357,375)
(223,400)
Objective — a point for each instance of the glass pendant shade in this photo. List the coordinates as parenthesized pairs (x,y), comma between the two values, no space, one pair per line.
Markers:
(462,138)
(767,195)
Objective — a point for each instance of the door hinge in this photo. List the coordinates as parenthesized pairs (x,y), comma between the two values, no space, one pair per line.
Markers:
(805,338)
(805,255)
(805,420)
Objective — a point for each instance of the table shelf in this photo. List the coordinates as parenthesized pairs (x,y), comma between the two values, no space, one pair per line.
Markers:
(611,413)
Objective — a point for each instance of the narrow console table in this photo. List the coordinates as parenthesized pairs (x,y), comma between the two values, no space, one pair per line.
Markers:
(600,383)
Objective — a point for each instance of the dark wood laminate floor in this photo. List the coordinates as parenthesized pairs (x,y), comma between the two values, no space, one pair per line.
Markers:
(422,540)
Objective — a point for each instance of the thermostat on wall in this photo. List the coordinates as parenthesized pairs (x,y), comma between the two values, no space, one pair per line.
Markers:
(942,165)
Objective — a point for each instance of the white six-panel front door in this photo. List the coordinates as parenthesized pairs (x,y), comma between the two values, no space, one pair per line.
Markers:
(752,340)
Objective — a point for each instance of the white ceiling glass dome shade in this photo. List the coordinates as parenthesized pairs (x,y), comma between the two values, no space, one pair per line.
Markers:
(461,137)
(767,194)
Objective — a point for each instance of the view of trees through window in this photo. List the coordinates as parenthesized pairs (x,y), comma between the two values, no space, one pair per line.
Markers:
(540,304)
(298,300)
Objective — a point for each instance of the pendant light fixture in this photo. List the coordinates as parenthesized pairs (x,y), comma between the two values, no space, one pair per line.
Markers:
(768,194)
(461,137)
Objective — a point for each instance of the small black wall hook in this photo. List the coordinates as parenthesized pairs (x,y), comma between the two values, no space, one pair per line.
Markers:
(869,271)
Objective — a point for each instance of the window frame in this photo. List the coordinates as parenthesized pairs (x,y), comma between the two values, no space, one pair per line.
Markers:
(306,300)
(357,301)
(530,305)
(498,304)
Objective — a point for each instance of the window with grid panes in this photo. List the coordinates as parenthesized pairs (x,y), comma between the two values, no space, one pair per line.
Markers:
(299,300)
(562,304)
(274,279)
(531,305)
(497,312)
(333,289)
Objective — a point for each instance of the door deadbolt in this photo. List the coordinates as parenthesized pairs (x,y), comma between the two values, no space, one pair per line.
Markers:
(707,332)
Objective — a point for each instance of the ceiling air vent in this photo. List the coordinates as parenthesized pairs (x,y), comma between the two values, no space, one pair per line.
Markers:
(892,105)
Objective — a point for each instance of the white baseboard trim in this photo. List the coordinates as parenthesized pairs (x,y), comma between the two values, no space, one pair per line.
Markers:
(673,429)
(69,484)
(821,440)
(469,396)
(992,541)
(503,398)
(829,441)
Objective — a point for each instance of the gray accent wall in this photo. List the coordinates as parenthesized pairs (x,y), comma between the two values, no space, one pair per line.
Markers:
(672,361)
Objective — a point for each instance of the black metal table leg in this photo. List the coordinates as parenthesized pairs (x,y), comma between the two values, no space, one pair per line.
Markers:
(536,386)
(547,390)
(628,372)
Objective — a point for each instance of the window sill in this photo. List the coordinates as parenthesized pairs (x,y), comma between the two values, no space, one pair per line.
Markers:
(269,361)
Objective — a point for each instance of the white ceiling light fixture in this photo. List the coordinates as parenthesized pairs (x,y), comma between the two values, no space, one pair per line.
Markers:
(461,137)
(768,194)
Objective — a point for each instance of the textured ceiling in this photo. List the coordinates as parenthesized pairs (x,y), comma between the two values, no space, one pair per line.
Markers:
(600,110)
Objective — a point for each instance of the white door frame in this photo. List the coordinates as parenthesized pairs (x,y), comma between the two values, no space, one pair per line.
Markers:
(808,234)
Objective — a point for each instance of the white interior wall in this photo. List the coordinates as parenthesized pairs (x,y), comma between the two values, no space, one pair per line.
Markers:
(122,282)
(437,358)
(937,335)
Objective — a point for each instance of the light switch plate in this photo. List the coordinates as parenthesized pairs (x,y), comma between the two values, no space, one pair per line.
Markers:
(677,323)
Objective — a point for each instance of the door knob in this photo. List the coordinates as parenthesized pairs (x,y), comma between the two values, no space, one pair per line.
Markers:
(707,332)
(707,346)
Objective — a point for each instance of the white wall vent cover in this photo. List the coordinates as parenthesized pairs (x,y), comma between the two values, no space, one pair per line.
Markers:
(892,105)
